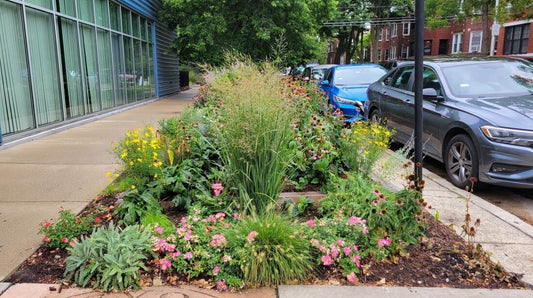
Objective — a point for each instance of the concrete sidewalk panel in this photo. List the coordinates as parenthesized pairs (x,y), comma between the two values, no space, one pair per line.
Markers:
(405,292)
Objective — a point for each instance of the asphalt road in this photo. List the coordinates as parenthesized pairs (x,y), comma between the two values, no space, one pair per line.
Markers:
(516,201)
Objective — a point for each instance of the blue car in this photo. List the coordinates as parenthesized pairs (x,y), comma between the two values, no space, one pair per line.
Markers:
(346,85)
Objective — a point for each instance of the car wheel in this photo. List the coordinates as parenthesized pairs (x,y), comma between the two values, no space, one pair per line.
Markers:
(375,116)
(461,161)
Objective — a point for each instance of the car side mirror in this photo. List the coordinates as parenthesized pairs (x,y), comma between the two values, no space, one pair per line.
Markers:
(431,94)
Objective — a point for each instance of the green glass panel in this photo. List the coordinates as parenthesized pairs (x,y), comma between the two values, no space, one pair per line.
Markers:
(90,68)
(16,112)
(43,3)
(152,69)
(126,22)
(137,56)
(143,28)
(85,10)
(71,69)
(43,59)
(102,18)
(118,69)
(135,24)
(114,11)
(150,31)
(106,69)
(146,70)
(129,76)
(66,7)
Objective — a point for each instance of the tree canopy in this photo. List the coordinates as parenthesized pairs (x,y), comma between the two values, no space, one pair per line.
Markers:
(286,31)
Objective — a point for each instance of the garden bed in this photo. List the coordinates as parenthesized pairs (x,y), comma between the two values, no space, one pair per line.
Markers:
(441,259)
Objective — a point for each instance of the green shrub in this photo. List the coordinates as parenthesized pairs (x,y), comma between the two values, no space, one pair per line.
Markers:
(270,249)
(67,229)
(109,259)
(135,205)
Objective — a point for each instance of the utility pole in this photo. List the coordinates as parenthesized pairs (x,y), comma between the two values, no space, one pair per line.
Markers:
(419,69)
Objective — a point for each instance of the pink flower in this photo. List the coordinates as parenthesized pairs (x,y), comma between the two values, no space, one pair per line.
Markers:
(46,239)
(347,250)
(64,240)
(159,230)
(218,240)
(176,254)
(355,247)
(236,216)
(252,235)
(170,247)
(312,223)
(221,285)
(220,215)
(334,252)
(188,235)
(72,242)
(340,242)
(384,242)
(217,188)
(78,220)
(47,224)
(351,277)
(164,264)
(326,260)
(216,270)
(188,255)
(356,260)
(226,259)
(97,220)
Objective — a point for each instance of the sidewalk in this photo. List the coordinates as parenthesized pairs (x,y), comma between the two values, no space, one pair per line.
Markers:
(68,169)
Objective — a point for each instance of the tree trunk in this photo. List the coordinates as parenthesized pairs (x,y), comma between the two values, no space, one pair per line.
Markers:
(485,40)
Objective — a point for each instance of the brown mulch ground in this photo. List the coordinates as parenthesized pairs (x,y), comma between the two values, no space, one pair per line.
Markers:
(442,259)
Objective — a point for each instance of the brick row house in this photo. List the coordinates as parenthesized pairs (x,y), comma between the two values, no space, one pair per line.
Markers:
(396,41)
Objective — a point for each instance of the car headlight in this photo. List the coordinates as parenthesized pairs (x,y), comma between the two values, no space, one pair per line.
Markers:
(509,136)
(348,101)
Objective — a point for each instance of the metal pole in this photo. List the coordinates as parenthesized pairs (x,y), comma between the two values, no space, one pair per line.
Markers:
(493,33)
(419,69)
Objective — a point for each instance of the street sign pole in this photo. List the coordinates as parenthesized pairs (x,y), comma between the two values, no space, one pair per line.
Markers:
(419,69)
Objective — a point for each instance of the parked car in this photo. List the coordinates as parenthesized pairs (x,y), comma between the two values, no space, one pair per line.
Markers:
(477,119)
(316,72)
(345,87)
(392,64)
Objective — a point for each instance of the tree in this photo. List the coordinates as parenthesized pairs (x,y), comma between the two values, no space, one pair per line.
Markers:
(209,28)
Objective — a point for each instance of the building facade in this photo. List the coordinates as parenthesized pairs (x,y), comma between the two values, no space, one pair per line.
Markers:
(396,41)
(66,60)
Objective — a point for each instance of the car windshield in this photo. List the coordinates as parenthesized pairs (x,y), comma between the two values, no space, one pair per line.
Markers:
(357,75)
(490,79)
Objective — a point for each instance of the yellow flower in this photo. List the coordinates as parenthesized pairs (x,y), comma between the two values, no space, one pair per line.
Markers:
(155,176)
(108,174)
(133,187)
(116,175)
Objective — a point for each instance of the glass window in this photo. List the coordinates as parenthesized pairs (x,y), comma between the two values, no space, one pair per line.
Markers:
(66,7)
(394,30)
(516,39)
(430,80)
(457,42)
(146,71)
(475,41)
(406,29)
(405,52)
(43,3)
(400,79)
(114,11)
(137,56)
(135,24)
(101,13)
(126,22)
(71,69)
(85,10)
(143,29)
(149,25)
(43,59)
(16,113)
(90,66)
(105,69)
(380,34)
(118,69)
(152,69)
(129,76)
